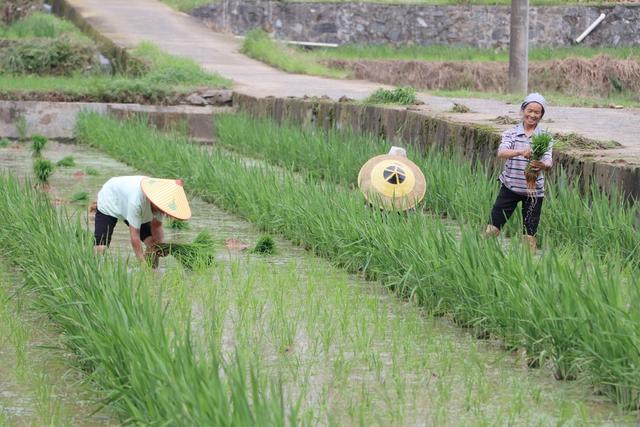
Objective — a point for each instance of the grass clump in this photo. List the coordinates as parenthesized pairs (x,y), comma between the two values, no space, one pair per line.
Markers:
(266,245)
(257,44)
(38,143)
(41,25)
(460,108)
(4,142)
(198,254)
(80,196)
(42,169)
(66,162)
(401,95)
(91,171)
(60,56)
(186,5)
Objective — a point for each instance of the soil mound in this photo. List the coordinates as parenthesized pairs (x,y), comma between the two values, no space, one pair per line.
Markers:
(599,76)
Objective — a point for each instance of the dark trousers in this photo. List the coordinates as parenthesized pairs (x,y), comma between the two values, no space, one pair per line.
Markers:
(105,225)
(506,204)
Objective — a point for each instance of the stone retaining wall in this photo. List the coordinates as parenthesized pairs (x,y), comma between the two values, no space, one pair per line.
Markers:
(402,126)
(371,23)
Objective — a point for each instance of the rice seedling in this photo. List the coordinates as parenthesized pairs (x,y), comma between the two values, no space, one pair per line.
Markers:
(266,245)
(38,143)
(540,144)
(197,254)
(176,224)
(91,171)
(461,275)
(42,169)
(66,162)
(4,142)
(400,95)
(118,330)
(80,196)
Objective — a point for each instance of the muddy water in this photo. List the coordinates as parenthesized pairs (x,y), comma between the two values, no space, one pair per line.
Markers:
(410,370)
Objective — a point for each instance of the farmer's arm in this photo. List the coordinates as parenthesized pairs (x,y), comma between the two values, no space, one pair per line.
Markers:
(157,232)
(507,150)
(136,243)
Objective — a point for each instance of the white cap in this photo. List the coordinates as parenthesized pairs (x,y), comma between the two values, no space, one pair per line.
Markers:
(534,97)
(397,151)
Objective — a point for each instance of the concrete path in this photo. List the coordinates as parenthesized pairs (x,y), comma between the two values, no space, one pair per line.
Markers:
(128,22)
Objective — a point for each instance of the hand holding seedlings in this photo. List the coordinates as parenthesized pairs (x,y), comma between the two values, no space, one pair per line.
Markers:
(527,151)
(140,202)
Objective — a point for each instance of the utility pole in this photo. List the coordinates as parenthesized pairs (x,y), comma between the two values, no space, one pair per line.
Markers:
(519,47)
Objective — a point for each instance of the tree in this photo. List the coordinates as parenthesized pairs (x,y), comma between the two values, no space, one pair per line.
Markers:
(519,47)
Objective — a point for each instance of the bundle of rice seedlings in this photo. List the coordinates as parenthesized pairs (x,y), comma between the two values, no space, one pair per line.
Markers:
(38,143)
(540,144)
(4,142)
(42,168)
(66,162)
(199,253)
(266,245)
(80,196)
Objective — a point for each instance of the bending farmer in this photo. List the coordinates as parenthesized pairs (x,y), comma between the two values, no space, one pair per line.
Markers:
(141,203)
(515,148)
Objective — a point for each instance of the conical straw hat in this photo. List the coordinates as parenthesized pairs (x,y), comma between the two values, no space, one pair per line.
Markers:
(168,195)
(392,182)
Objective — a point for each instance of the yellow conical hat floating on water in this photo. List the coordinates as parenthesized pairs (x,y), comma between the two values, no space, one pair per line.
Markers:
(392,182)
(168,195)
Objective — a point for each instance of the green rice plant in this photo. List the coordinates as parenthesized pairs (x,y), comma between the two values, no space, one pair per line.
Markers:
(266,245)
(454,272)
(80,196)
(42,169)
(66,162)
(540,144)
(38,142)
(400,95)
(117,328)
(4,142)
(177,224)
(197,254)
(456,188)
(257,44)
(89,170)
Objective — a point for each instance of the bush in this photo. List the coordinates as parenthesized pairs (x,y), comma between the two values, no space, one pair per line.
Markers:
(66,162)
(60,56)
(400,95)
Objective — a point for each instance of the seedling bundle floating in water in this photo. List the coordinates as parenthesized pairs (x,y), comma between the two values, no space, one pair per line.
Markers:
(266,245)
(199,253)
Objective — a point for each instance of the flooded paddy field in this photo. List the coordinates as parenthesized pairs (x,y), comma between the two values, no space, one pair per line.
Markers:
(345,350)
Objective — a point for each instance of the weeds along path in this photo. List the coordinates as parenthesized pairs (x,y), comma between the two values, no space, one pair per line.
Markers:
(37,385)
(574,311)
(116,324)
(455,188)
(346,350)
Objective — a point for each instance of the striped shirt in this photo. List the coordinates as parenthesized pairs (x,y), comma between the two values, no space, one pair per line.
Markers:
(512,175)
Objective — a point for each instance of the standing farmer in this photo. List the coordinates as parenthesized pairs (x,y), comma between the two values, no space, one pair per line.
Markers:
(515,148)
(140,202)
